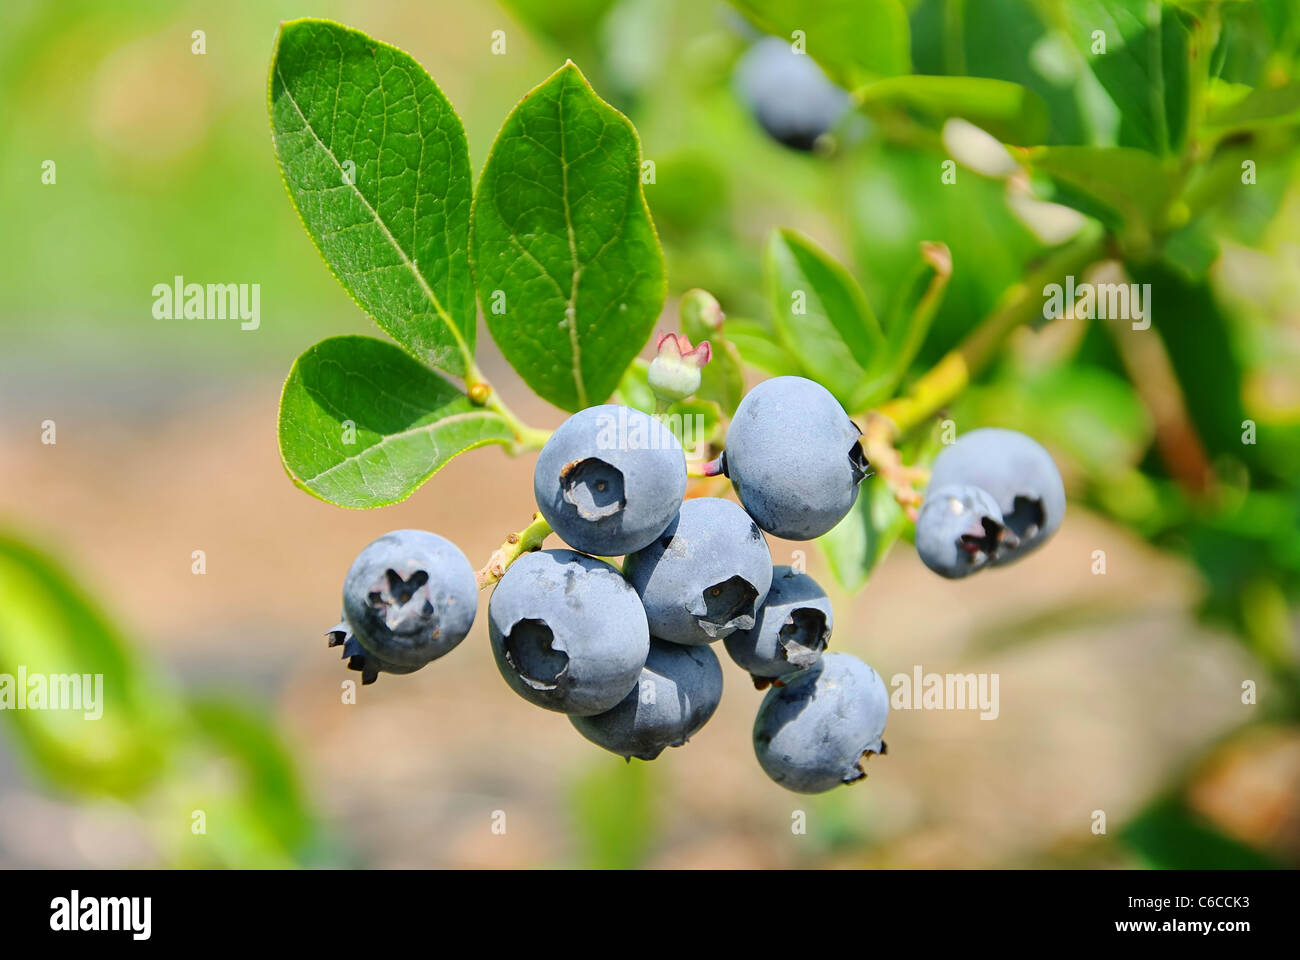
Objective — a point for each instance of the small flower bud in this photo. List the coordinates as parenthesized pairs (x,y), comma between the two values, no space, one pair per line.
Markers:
(675,373)
(700,310)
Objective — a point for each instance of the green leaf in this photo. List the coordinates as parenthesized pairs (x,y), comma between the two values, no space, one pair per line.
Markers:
(1008,111)
(1168,836)
(853,42)
(50,628)
(916,303)
(1133,186)
(363,425)
(565,254)
(893,203)
(375,160)
(820,313)
(1268,107)
(1143,68)
(758,347)
(723,378)
(856,544)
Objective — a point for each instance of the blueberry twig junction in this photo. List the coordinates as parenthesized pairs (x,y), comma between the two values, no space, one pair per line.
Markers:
(516,545)
(482,394)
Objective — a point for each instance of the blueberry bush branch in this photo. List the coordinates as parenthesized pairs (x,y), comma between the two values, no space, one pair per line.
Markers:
(527,540)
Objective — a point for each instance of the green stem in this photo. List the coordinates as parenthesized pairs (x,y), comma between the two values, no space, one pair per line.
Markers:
(517,544)
(1022,303)
(482,393)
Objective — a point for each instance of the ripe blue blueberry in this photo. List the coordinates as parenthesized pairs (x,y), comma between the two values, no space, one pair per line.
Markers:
(677,692)
(409,598)
(959,531)
(706,575)
(790,96)
(567,631)
(792,629)
(1020,476)
(794,458)
(813,733)
(610,479)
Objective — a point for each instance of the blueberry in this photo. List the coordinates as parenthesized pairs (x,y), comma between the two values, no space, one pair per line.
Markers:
(706,575)
(813,733)
(610,479)
(793,628)
(1020,476)
(677,692)
(959,531)
(794,458)
(790,96)
(409,598)
(567,631)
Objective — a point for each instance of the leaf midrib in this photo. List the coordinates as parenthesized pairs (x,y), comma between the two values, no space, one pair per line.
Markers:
(571,309)
(401,435)
(439,309)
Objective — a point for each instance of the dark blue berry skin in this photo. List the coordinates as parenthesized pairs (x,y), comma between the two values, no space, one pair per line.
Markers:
(409,598)
(959,531)
(793,457)
(706,576)
(1020,476)
(793,627)
(812,733)
(567,631)
(790,96)
(678,691)
(610,479)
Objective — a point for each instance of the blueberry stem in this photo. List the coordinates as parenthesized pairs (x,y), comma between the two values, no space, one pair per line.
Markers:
(516,545)
(901,480)
(1021,304)
(481,393)
(944,382)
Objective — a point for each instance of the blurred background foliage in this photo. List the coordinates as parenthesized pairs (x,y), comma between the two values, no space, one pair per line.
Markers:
(1187,434)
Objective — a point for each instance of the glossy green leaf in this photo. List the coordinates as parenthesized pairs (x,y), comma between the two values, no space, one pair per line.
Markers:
(1007,110)
(820,313)
(1132,186)
(1144,66)
(1010,40)
(363,425)
(376,162)
(852,41)
(565,254)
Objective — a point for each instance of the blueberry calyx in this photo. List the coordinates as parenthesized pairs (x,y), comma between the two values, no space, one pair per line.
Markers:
(594,488)
(858,461)
(1025,519)
(535,655)
(803,636)
(726,607)
(403,605)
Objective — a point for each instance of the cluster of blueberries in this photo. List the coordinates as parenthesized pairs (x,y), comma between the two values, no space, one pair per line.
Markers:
(626,653)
